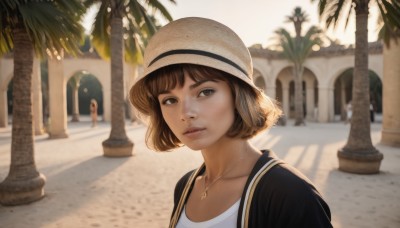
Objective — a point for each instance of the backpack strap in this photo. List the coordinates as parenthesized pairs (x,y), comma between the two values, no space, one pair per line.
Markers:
(251,188)
(182,199)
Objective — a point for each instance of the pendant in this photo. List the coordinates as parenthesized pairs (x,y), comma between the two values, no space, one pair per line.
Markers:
(203,195)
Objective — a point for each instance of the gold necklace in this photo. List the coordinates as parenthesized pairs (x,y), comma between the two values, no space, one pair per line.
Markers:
(204,194)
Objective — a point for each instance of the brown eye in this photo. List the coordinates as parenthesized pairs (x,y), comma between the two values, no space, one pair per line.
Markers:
(168,101)
(206,92)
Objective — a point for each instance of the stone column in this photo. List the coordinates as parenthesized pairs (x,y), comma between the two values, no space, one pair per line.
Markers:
(57,100)
(3,109)
(331,104)
(391,95)
(285,100)
(107,101)
(323,104)
(75,102)
(270,91)
(343,103)
(37,98)
(310,100)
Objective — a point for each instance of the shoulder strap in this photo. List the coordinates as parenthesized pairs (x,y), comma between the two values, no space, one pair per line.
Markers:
(182,199)
(251,188)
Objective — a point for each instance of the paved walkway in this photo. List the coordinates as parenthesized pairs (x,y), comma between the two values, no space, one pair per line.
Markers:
(85,189)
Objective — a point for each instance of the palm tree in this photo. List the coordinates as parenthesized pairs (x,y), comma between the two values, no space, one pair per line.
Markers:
(389,31)
(296,50)
(298,17)
(359,155)
(110,36)
(27,27)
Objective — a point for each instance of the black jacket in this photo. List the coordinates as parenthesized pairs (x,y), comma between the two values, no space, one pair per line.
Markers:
(283,197)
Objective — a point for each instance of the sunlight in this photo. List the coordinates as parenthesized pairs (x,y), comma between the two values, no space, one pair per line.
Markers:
(308,158)
(293,155)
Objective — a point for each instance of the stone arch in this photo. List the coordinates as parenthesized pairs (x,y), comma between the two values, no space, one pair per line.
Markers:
(262,76)
(341,64)
(285,91)
(259,80)
(284,77)
(90,88)
(342,89)
(6,76)
(278,91)
(343,86)
(99,68)
(311,94)
(5,100)
(279,68)
(6,81)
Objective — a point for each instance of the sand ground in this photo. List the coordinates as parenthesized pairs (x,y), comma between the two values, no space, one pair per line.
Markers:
(85,189)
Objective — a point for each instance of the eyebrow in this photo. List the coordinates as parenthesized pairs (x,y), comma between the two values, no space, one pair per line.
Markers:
(196,84)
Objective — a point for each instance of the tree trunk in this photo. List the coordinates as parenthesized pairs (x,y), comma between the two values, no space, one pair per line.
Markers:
(117,144)
(75,101)
(359,155)
(24,184)
(298,27)
(298,95)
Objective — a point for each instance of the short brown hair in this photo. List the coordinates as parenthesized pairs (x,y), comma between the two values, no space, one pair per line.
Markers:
(254,111)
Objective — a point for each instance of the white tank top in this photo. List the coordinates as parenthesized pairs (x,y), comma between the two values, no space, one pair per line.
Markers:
(228,219)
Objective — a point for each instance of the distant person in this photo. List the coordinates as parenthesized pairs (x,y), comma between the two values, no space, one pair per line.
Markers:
(371,112)
(197,90)
(349,111)
(93,112)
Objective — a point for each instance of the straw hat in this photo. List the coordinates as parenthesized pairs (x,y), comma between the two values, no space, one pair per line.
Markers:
(200,41)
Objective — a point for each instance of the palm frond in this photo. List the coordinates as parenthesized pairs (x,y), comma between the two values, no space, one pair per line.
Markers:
(51,25)
(6,40)
(101,32)
(151,28)
(58,33)
(321,6)
(13,4)
(388,21)
(295,49)
(334,11)
(392,14)
(139,13)
(139,25)
(350,9)
(157,6)
(8,9)
(134,49)
(90,3)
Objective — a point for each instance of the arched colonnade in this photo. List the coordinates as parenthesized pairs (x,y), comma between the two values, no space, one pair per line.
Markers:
(271,72)
(321,70)
(59,72)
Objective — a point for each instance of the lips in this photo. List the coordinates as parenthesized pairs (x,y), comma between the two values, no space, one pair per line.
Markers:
(193,131)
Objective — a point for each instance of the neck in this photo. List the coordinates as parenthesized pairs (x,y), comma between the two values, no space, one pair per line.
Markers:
(221,158)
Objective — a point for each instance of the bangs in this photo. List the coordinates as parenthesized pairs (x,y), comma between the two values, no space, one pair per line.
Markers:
(170,77)
(165,79)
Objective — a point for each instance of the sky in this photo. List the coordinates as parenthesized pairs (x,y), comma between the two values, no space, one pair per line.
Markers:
(256,20)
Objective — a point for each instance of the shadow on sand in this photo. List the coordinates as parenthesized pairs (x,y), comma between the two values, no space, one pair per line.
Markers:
(64,181)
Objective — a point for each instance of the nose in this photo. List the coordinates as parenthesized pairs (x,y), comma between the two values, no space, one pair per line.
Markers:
(188,110)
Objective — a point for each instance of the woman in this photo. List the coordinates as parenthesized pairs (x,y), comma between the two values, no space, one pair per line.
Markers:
(197,90)
(93,112)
